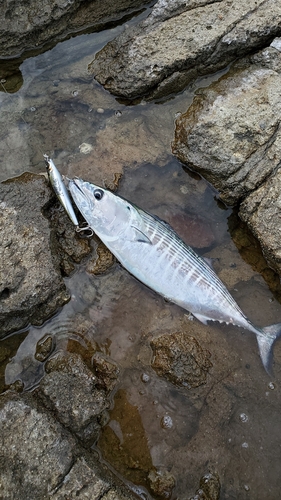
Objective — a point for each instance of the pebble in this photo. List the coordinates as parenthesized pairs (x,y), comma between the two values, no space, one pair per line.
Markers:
(243,417)
(166,422)
(145,378)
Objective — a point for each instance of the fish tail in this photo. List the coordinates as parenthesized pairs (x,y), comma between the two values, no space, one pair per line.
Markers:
(266,338)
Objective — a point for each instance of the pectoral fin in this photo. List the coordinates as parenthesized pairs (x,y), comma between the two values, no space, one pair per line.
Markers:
(141,237)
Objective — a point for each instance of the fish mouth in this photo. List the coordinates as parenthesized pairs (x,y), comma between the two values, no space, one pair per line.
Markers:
(78,192)
(76,181)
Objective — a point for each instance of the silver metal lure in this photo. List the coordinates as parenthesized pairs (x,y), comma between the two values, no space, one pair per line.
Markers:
(61,191)
(59,188)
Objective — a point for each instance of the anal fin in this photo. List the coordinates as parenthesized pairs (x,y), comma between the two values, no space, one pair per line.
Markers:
(201,318)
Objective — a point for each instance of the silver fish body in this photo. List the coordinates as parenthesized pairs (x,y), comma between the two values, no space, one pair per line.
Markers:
(59,188)
(150,250)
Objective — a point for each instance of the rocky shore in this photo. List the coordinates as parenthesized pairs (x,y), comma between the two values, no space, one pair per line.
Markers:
(230,135)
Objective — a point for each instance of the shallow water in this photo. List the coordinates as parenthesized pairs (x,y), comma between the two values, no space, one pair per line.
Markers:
(230,425)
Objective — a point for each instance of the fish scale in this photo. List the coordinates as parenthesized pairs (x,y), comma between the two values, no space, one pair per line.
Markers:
(151,251)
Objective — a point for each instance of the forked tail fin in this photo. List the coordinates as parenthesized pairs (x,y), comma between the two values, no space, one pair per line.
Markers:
(266,339)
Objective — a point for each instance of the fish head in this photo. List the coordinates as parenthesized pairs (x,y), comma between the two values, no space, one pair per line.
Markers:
(107,214)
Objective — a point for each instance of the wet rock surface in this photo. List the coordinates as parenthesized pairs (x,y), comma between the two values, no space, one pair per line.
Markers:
(33,446)
(41,459)
(69,390)
(181,40)
(38,24)
(180,359)
(231,133)
(262,212)
(31,287)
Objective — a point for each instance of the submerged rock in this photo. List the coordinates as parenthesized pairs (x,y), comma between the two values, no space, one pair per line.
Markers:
(182,40)
(179,358)
(209,488)
(106,370)
(231,133)
(44,347)
(39,23)
(103,261)
(161,483)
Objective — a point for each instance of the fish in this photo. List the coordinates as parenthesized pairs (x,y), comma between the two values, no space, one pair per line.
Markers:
(60,189)
(152,252)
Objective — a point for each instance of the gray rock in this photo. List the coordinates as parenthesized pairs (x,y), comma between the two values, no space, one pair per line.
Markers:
(35,451)
(31,286)
(33,250)
(231,132)
(69,389)
(83,482)
(38,23)
(40,459)
(181,40)
(262,212)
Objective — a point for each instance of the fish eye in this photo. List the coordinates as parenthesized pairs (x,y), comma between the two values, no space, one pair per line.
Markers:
(98,194)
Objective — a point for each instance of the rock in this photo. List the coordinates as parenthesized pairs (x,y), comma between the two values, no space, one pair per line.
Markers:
(262,212)
(209,487)
(33,250)
(230,133)
(65,242)
(69,389)
(31,286)
(106,370)
(179,358)
(161,483)
(35,452)
(40,459)
(38,24)
(103,261)
(180,41)
(83,482)
(44,347)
